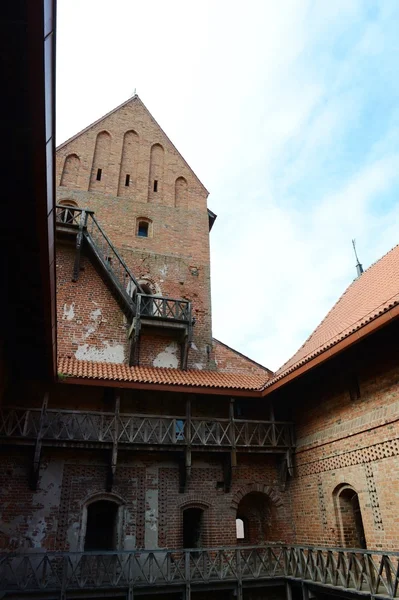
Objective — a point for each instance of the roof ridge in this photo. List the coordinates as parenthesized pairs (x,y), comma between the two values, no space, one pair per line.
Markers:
(281,369)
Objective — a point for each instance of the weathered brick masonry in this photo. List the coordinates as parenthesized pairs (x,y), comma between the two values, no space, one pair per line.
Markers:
(174,259)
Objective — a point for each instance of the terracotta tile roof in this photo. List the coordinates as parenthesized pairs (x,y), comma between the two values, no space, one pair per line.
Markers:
(155,375)
(372,294)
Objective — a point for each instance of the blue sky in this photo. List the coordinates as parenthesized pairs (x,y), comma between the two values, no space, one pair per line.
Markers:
(289,114)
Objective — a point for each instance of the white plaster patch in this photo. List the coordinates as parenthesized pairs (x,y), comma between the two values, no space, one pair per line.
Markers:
(108,353)
(95,314)
(69,312)
(193,346)
(164,270)
(96,317)
(198,366)
(168,357)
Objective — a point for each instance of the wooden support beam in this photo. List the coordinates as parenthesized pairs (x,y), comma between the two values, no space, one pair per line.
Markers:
(38,446)
(231,460)
(187,452)
(114,453)
(134,334)
(288,591)
(184,348)
(79,243)
(187,576)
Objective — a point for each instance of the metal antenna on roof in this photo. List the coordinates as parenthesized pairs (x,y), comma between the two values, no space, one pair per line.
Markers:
(359,267)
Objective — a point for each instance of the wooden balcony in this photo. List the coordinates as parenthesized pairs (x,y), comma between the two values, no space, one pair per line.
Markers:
(79,428)
(365,573)
(172,316)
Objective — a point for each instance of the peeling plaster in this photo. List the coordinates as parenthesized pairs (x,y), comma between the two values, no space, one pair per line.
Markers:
(108,353)
(198,366)
(164,270)
(168,357)
(69,312)
(39,523)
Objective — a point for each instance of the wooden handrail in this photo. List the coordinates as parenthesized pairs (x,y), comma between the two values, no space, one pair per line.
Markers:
(365,572)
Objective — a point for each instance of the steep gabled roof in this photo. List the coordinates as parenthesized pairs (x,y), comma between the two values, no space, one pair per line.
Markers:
(133,99)
(371,295)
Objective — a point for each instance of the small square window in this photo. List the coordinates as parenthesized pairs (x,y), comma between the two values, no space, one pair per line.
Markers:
(142,230)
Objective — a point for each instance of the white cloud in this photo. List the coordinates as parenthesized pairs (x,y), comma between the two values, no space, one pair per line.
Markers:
(287,113)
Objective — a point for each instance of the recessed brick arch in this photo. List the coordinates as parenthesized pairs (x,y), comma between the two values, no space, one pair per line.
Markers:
(268,490)
(194,502)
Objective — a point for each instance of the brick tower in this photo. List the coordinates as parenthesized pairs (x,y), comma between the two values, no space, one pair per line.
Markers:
(153,209)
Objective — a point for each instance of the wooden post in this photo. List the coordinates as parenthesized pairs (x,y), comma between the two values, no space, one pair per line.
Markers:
(38,446)
(231,462)
(305,591)
(232,434)
(79,242)
(188,439)
(288,591)
(187,575)
(114,455)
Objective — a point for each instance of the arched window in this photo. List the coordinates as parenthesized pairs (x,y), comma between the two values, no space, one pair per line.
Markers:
(68,215)
(240,529)
(143,227)
(349,517)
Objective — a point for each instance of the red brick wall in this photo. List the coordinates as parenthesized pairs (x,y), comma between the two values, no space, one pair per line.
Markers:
(91,325)
(230,361)
(344,440)
(175,257)
(52,517)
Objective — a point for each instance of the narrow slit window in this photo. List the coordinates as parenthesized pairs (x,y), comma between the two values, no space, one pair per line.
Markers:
(155,185)
(240,529)
(99,173)
(127,180)
(142,229)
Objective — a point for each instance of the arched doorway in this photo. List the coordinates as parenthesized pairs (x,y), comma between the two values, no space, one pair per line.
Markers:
(193,528)
(254,519)
(66,215)
(101,526)
(349,516)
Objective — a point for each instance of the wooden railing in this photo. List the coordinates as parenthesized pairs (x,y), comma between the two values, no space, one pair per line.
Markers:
(107,427)
(86,225)
(157,307)
(370,573)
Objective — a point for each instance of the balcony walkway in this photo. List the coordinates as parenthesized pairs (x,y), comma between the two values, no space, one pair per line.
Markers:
(62,427)
(363,572)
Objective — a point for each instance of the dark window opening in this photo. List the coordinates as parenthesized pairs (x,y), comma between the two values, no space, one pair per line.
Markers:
(101,526)
(142,229)
(155,185)
(192,527)
(354,388)
(240,529)
(351,522)
(99,173)
(127,180)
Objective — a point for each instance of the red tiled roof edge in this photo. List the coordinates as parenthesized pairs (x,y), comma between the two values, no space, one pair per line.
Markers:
(326,347)
(282,371)
(72,368)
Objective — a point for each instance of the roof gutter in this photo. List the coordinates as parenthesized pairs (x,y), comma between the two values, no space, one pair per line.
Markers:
(355,337)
